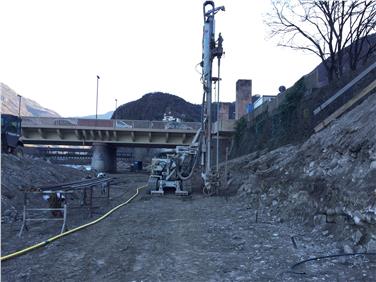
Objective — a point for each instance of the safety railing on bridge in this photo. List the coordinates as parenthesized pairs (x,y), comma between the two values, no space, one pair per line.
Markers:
(108,123)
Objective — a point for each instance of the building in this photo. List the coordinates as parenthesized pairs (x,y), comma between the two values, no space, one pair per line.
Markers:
(263,99)
(243,97)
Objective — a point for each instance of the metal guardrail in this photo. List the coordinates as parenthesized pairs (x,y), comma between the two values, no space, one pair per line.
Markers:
(108,123)
(367,90)
(72,153)
(344,89)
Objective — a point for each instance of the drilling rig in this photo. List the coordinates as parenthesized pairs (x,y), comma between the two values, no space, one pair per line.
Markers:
(174,168)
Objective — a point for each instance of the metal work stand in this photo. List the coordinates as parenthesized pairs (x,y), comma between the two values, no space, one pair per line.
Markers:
(25,219)
(87,197)
(86,187)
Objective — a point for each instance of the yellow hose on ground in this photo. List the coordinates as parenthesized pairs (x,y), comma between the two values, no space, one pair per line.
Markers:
(41,244)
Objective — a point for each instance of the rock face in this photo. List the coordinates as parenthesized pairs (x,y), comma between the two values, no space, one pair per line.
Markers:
(328,180)
(10,100)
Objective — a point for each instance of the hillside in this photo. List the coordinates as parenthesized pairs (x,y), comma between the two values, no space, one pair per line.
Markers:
(10,100)
(328,181)
(152,106)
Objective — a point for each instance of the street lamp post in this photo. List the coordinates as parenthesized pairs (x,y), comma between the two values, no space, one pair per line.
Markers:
(19,105)
(96,108)
(115,107)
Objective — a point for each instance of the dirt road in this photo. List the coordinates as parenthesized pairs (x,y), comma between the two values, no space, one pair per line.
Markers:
(184,239)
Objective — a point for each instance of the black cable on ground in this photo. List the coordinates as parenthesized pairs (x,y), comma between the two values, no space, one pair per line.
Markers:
(326,257)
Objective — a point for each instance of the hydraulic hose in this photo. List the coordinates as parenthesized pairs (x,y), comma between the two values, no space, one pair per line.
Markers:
(44,243)
(191,172)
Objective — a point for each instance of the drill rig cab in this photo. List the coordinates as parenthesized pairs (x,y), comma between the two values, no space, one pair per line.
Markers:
(171,169)
(11,134)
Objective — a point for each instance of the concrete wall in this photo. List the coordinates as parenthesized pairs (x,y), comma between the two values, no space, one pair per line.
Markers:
(223,144)
(224,111)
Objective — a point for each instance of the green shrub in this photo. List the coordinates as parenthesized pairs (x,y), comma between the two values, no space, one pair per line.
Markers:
(240,127)
(271,130)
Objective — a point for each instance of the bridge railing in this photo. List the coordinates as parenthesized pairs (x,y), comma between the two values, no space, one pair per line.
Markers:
(108,123)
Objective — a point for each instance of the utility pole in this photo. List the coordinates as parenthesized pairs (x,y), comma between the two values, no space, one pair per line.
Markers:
(19,105)
(96,108)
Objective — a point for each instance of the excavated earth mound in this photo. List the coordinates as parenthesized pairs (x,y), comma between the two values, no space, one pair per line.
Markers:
(328,182)
(18,173)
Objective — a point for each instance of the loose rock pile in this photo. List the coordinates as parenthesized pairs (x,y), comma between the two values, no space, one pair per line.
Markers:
(329,182)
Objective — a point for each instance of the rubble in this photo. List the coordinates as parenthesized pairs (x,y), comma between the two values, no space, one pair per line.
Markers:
(329,180)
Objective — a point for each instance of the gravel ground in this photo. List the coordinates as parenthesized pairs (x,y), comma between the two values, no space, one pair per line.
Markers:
(122,188)
(193,238)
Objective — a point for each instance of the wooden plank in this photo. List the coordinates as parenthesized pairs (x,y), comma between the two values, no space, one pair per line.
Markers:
(345,107)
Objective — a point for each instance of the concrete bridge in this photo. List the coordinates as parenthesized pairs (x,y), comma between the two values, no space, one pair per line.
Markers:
(85,132)
(106,135)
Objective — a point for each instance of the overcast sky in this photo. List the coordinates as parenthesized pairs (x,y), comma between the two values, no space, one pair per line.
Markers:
(52,51)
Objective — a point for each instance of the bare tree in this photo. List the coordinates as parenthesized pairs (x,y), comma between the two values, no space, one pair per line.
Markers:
(333,30)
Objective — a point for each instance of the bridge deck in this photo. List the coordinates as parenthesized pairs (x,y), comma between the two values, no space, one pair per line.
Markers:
(72,131)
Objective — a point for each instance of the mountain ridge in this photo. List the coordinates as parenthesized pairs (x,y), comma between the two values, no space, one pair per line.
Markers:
(10,104)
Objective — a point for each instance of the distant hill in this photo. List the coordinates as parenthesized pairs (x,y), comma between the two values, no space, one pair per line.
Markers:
(152,106)
(107,115)
(10,100)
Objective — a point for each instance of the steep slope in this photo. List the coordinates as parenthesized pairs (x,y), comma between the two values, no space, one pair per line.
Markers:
(152,106)
(10,100)
(329,181)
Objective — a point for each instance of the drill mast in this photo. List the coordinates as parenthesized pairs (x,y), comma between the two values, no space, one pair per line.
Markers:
(174,168)
(210,49)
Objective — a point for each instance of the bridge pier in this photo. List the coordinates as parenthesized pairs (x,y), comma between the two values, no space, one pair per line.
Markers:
(104,157)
